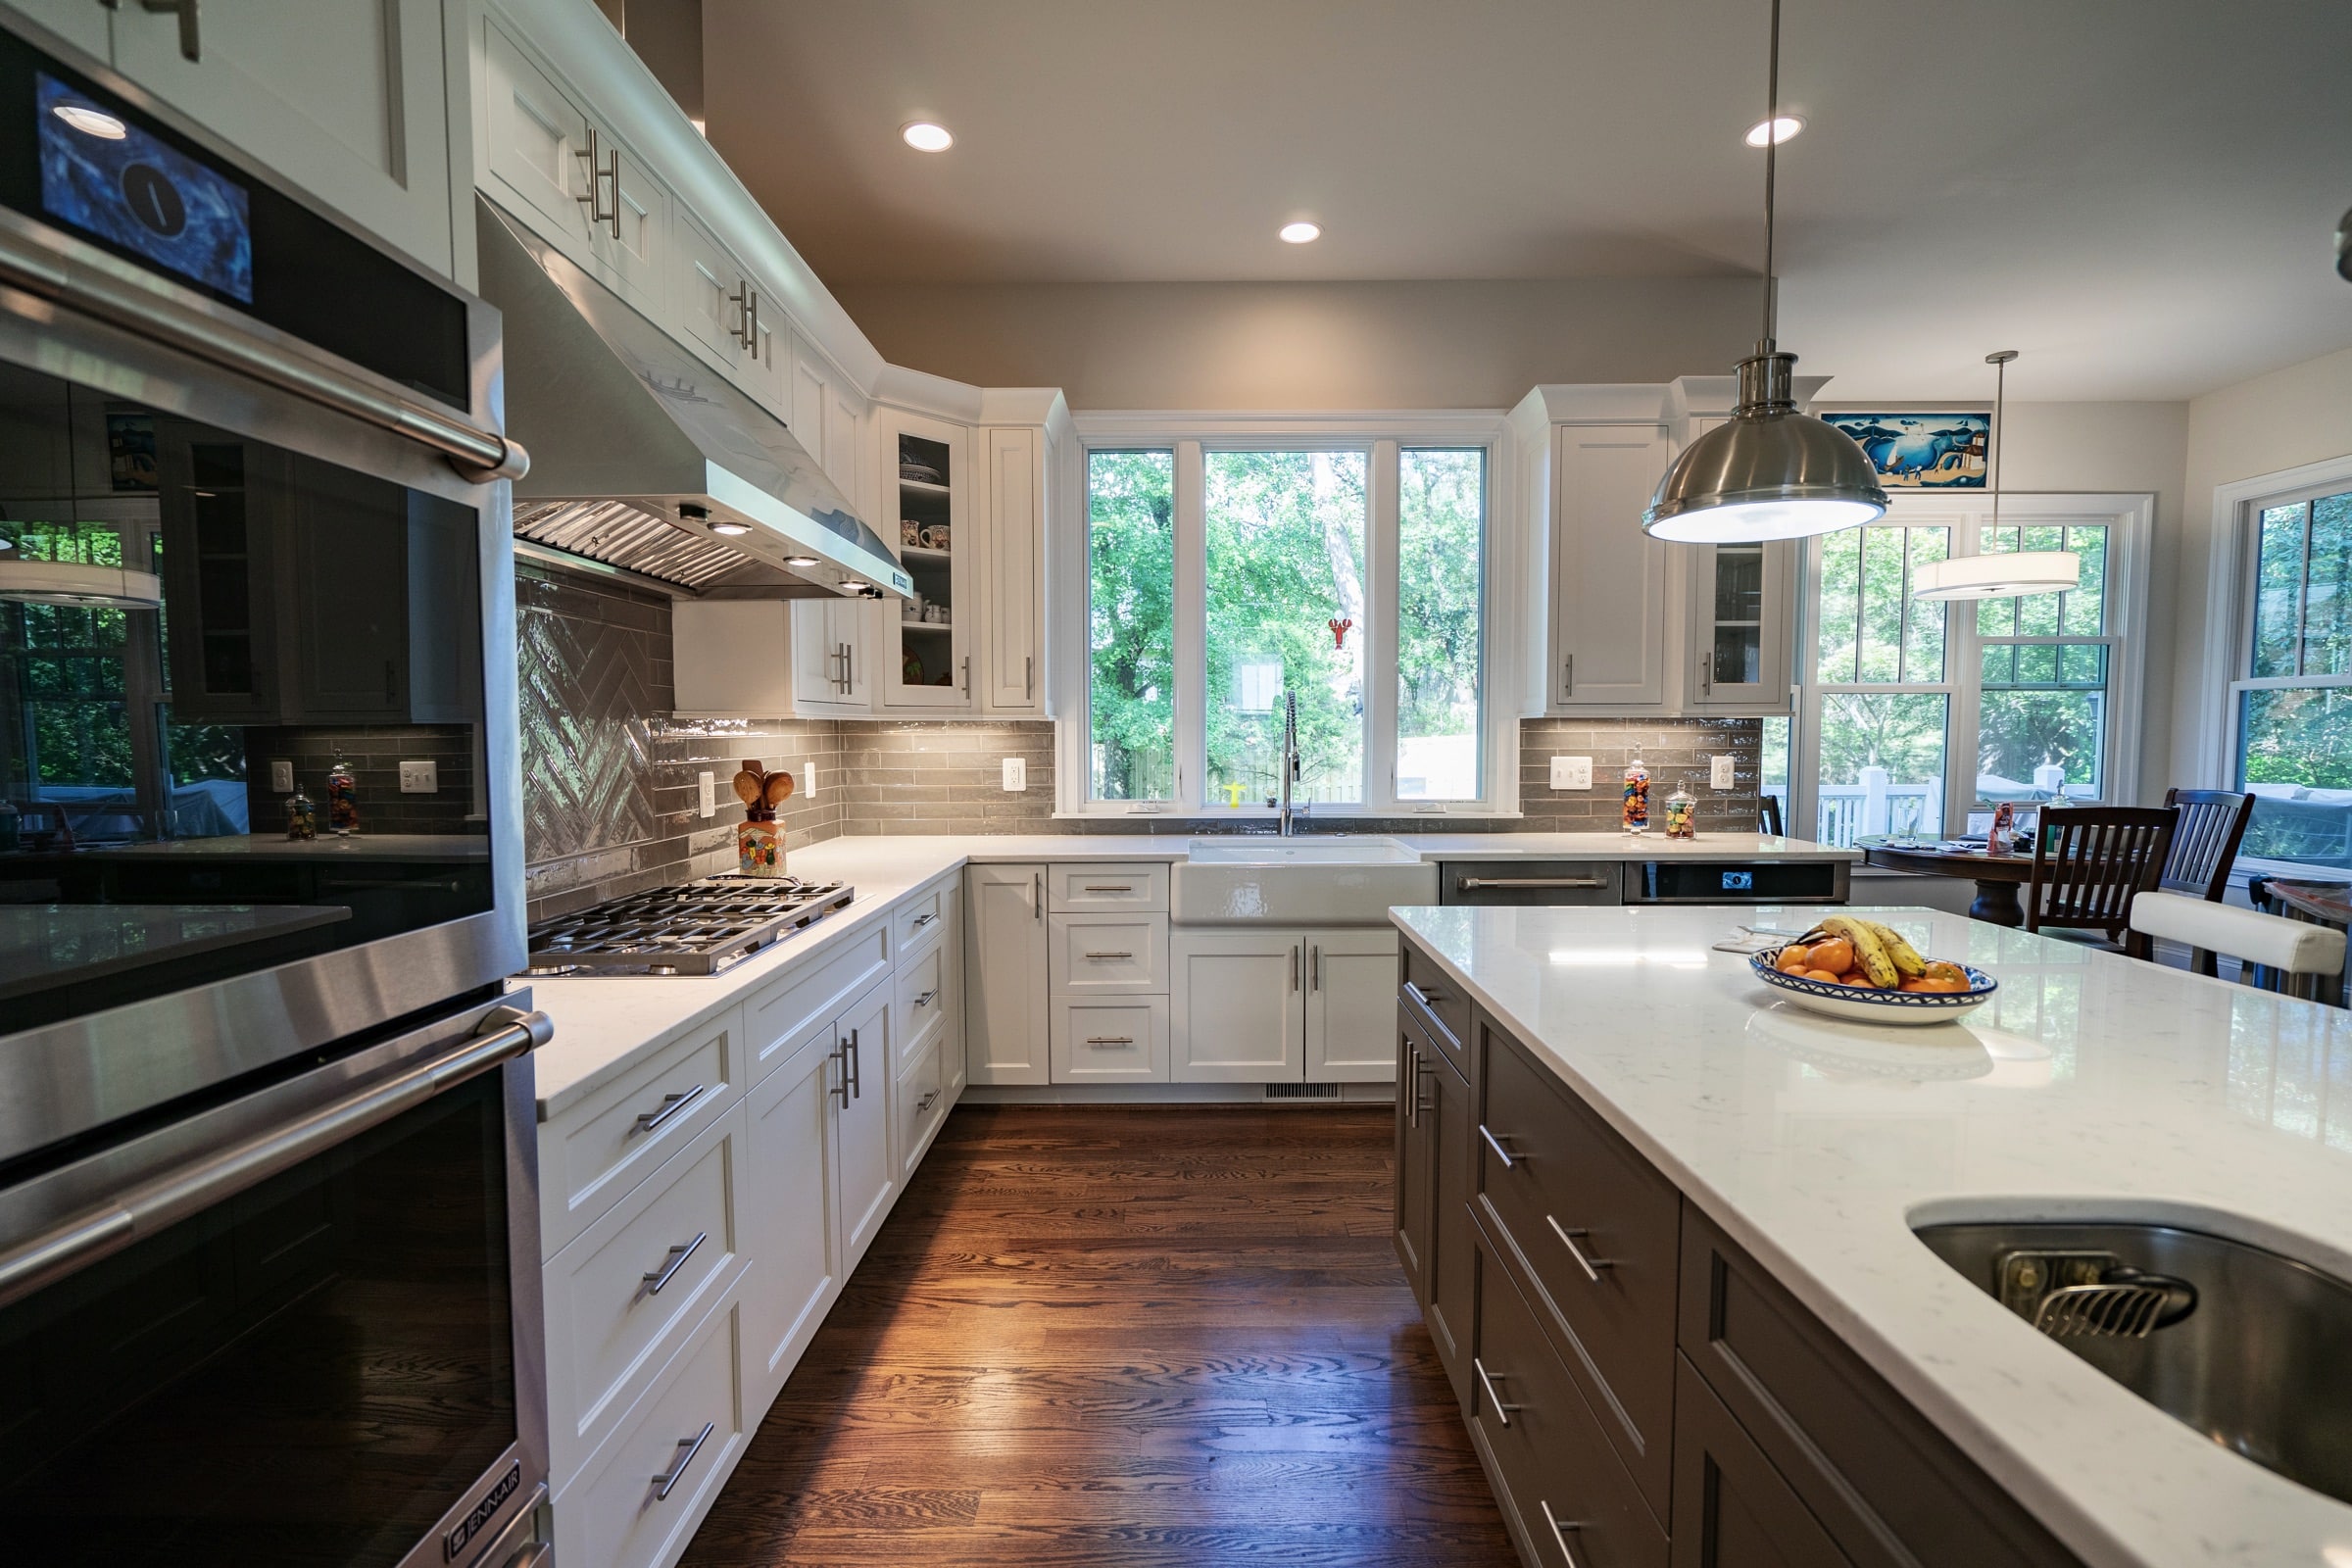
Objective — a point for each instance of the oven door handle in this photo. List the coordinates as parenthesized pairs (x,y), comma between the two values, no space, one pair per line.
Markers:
(166,1200)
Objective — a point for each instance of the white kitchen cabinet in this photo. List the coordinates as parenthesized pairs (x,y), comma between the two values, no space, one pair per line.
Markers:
(1743,602)
(340,98)
(720,307)
(1110,1040)
(1351,1005)
(769,658)
(921,1103)
(81,22)
(827,417)
(1006,943)
(793,1221)
(927,647)
(832,671)
(865,1144)
(534,153)
(1237,1016)
(1108,954)
(1012,638)
(1608,587)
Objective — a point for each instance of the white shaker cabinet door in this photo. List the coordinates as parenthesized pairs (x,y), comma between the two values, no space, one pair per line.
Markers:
(1237,1010)
(791,1212)
(1005,944)
(1014,643)
(81,22)
(1609,594)
(342,98)
(863,1150)
(1351,1005)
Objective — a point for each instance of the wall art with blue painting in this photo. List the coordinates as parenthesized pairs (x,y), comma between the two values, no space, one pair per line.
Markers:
(1921,451)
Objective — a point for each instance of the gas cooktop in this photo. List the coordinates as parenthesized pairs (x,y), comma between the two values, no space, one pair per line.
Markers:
(692,928)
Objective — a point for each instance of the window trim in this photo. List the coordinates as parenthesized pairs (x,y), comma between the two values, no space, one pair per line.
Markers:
(2240,545)
(1188,435)
(2129,518)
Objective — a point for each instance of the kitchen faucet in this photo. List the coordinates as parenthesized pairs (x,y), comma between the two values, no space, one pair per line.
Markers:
(1290,761)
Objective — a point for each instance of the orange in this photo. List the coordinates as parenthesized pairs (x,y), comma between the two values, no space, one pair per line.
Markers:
(1824,974)
(1793,960)
(1837,955)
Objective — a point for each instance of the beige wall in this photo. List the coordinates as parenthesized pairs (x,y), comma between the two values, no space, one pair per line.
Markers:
(2281,421)
(1256,346)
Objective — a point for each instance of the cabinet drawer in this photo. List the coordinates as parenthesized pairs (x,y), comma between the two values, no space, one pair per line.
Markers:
(1142,887)
(922,1102)
(1100,954)
(1110,1042)
(1440,1003)
(922,917)
(688,1430)
(619,1297)
(921,999)
(1595,1233)
(1575,1504)
(594,1152)
(775,1018)
(1732,1509)
(1889,1488)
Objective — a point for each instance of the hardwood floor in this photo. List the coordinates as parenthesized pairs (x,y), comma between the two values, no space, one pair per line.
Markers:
(1149,1338)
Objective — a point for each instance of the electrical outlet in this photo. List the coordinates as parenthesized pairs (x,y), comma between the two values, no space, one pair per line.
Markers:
(1016,773)
(1719,772)
(420,779)
(281,775)
(708,802)
(1572,772)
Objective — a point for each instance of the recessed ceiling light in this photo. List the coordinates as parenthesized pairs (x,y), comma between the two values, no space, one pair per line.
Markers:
(1783,130)
(92,121)
(925,137)
(1301,233)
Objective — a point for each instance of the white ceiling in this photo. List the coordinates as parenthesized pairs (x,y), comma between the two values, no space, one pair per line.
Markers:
(2138,194)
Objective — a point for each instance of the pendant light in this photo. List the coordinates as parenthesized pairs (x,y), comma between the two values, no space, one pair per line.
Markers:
(2006,574)
(1770,471)
(61,582)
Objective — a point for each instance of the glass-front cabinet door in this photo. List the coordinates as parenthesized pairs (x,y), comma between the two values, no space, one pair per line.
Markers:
(924,658)
(1741,600)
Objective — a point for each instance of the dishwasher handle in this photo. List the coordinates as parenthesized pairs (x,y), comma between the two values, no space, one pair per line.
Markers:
(1471,884)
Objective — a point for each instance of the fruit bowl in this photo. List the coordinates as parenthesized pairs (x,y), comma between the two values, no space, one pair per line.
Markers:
(1870,1005)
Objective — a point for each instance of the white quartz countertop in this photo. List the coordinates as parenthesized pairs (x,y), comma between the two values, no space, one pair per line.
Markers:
(2092,1086)
(604,1023)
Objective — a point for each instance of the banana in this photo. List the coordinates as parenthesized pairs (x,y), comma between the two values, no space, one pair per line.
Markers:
(1906,956)
(1869,952)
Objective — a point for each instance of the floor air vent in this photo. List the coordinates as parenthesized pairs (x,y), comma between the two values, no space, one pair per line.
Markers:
(1303,1090)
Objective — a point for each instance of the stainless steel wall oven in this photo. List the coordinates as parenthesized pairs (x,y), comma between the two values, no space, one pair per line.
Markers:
(268,1251)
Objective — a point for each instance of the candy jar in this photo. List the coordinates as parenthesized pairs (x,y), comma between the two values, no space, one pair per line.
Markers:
(302,818)
(1637,797)
(342,799)
(1682,807)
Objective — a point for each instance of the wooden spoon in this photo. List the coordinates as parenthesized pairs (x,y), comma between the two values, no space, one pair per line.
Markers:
(778,789)
(748,787)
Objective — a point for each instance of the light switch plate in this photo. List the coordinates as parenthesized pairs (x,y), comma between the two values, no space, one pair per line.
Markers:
(1719,772)
(281,775)
(420,779)
(1017,772)
(1572,772)
(707,804)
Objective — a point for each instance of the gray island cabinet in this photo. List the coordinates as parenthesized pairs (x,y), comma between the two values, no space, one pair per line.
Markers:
(1640,1392)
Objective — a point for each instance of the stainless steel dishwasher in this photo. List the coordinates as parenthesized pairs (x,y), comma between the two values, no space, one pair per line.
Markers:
(1678,880)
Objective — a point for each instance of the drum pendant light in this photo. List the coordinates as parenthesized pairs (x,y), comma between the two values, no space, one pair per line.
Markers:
(2006,574)
(1770,471)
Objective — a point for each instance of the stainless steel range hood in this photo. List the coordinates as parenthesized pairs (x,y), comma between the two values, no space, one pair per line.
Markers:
(638,448)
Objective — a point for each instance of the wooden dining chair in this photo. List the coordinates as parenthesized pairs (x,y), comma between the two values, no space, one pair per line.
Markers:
(2090,862)
(1767,816)
(2208,827)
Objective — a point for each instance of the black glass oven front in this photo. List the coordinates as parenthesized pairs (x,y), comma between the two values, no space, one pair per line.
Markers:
(306,1375)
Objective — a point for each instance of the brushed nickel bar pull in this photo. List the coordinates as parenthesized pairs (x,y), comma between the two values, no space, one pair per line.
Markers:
(1294,966)
(967,675)
(672,1106)
(1111,887)
(1413,1084)
(1559,1533)
(924,1104)
(841,1062)
(677,1468)
(677,1256)
(1470,883)
(1314,970)
(478,453)
(1495,1143)
(1502,1411)
(1427,999)
(1568,676)
(593,200)
(1591,1265)
(1110,1040)
(191,47)
(1038,900)
(922,920)
(741,299)
(857,1067)
(1111,954)
(925,1000)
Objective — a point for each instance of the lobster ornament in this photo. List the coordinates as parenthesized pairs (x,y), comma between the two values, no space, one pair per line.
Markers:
(1339,630)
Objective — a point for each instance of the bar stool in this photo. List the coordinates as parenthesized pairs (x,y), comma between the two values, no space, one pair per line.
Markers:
(2293,956)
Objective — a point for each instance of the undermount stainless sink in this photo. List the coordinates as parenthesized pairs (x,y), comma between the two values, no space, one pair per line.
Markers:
(2251,1348)
(1323,881)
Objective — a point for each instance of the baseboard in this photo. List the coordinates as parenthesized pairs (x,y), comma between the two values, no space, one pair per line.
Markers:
(1253,1095)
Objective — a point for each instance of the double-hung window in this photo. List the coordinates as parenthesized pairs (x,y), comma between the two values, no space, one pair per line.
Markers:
(1916,713)
(2292,698)
(1230,580)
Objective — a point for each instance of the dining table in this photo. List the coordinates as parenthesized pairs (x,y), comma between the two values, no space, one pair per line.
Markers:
(1997,876)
